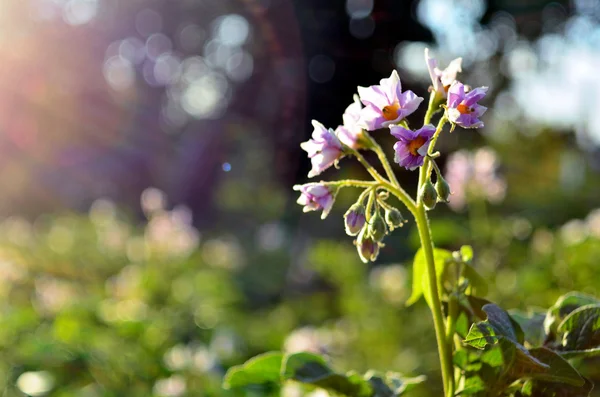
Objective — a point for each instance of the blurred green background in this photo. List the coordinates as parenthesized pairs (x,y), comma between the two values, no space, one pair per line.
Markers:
(150,237)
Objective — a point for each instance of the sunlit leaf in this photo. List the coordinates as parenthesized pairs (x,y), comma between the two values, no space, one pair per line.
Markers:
(312,369)
(264,368)
(420,281)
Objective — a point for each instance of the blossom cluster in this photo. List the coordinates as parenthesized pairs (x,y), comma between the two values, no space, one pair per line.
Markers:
(386,106)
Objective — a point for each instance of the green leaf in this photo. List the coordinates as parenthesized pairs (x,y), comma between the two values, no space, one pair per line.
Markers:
(519,362)
(498,325)
(473,385)
(420,281)
(565,305)
(481,335)
(559,369)
(477,282)
(264,368)
(581,328)
(312,369)
(462,325)
(552,389)
(532,324)
(466,252)
(391,384)
(460,359)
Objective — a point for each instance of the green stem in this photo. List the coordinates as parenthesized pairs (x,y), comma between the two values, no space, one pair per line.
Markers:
(431,109)
(436,305)
(452,317)
(444,350)
(350,183)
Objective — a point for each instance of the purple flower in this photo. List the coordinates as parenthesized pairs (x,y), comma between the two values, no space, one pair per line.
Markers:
(463,109)
(351,133)
(386,104)
(315,196)
(412,146)
(324,148)
(442,79)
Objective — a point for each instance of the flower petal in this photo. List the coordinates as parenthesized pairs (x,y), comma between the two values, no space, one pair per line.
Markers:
(391,87)
(402,133)
(373,95)
(475,95)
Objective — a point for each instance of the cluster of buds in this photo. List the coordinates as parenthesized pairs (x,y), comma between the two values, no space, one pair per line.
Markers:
(367,223)
(386,106)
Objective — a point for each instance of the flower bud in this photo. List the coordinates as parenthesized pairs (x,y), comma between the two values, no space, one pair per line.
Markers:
(368,249)
(377,229)
(428,195)
(443,189)
(393,218)
(354,219)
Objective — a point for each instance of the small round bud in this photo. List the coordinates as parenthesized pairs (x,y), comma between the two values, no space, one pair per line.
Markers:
(368,249)
(354,219)
(428,195)
(443,189)
(377,229)
(393,218)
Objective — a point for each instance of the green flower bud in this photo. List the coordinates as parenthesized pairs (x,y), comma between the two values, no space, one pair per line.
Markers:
(354,219)
(377,229)
(393,218)
(428,195)
(368,249)
(443,189)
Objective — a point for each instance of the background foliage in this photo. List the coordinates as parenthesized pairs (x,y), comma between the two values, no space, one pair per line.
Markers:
(159,296)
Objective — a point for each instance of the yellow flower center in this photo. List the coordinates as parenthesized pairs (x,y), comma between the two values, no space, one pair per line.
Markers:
(464,109)
(390,112)
(415,145)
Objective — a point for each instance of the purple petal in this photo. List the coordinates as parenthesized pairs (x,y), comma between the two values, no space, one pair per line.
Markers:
(426,131)
(478,110)
(431,65)
(402,133)
(371,118)
(475,95)
(391,87)
(456,94)
(409,102)
(373,95)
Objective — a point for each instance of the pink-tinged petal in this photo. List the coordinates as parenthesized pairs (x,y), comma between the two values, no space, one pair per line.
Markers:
(401,133)
(318,129)
(449,74)
(317,190)
(402,154)
(326,203)
(351,115)
(312,206)
(373,95)
(371,118)
(475,95)
(431,66)
(478,110)
(409,102)
(391,87)
(456,94)
(349,137)
(303,200)
(311,147)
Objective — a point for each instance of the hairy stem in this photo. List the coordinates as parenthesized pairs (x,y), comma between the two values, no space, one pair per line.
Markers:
(436,305)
